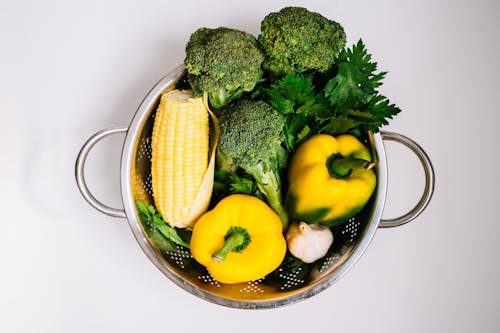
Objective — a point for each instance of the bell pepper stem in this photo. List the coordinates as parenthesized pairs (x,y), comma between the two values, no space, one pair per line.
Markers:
(237,239)
(341,167)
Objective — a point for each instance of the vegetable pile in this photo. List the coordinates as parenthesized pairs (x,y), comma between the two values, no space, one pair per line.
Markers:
(284,161)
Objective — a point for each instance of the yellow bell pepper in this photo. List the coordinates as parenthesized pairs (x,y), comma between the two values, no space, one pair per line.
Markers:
(239,240)
(330,180)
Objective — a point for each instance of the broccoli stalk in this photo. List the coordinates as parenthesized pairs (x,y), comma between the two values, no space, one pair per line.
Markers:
(224,63)
(217,97)
(250,138)
(269,183)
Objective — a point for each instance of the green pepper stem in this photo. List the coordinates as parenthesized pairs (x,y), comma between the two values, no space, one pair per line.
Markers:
(341,167)
(237,239)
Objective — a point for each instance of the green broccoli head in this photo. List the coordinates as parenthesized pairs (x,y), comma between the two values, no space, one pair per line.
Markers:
(251,131)
(250,138)
(295,40)
(223,62)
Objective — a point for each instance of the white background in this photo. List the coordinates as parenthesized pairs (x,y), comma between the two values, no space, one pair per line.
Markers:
(69,69)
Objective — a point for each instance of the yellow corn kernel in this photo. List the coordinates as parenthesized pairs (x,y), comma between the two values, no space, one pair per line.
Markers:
(180,152)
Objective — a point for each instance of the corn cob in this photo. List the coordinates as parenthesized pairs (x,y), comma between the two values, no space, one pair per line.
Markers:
(180,153)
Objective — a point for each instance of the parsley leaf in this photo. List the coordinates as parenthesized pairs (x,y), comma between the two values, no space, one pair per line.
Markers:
(156,227)
(346,99)
(350,88)
(339,125)
(242,185)
(296,88)
(353,91)
(381,110)
(296,98)
(234,182)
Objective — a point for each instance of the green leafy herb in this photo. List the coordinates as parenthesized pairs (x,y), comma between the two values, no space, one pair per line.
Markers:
(346,102)
(243,185)
(353,91)
(296,98)
(153,223)
(231,182)
(339,125)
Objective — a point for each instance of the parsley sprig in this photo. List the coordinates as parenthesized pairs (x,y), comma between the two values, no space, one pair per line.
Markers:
(353,90)
(356,80)
(349,101)
(295,97)
(164,236)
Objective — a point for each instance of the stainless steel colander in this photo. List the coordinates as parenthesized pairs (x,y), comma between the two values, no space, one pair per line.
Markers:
(351,238)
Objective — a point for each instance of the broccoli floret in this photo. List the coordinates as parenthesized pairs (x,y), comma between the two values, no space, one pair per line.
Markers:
(295,40)
(251,136)
(224,63)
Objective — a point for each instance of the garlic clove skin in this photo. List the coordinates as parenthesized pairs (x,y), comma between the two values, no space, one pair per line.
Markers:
(308,242)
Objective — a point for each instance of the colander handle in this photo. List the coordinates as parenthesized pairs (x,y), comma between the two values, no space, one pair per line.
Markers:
(429,181)
(80,166)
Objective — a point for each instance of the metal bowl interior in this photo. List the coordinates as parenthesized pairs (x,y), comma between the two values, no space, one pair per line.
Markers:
(351,238)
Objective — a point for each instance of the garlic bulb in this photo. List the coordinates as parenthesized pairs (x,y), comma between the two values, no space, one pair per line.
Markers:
(308,242)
